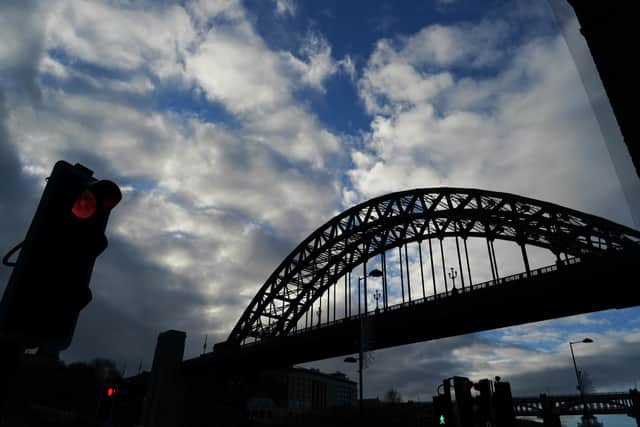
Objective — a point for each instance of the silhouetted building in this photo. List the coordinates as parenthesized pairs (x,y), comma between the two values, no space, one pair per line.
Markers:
(295,390)
(164,392)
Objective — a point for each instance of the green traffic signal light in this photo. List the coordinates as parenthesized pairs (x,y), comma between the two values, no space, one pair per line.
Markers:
(442,421)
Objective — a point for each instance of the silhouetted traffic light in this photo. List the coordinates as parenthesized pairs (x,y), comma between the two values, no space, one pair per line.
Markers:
(484,412)
(503,404)
(50,282)
(108,398)
(442,405)
(442,410)
(464,401)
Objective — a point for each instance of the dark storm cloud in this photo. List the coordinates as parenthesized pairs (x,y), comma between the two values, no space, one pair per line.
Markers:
(135,300)
(615,369)
(17,195)
(25,46)
(18,71)
(416,370)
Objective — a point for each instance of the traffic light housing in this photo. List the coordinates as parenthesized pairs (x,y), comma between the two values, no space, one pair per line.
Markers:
(110,394)
(464,401)
(50,282)
(442,411)
(503,403)
(484,410)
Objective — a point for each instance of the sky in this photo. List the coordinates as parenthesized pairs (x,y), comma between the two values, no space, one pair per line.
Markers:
(235,129)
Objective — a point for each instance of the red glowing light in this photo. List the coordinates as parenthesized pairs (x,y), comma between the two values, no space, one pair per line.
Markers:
(111,391)
(85,205)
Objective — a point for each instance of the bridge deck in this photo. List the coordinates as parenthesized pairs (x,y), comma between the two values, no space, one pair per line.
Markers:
(594,284)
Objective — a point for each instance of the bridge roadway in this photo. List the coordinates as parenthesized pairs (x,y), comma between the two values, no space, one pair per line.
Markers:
(575,286)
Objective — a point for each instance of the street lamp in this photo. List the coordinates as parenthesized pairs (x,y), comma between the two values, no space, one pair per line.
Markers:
(376,296)
(585,415)
(373,273)
(453,274)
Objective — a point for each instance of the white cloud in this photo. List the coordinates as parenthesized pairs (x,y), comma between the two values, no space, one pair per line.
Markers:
(121,37)
(472,46)
(238,70)
(418,67)
(286,7)
(448,126)
(53,68)
(317,64)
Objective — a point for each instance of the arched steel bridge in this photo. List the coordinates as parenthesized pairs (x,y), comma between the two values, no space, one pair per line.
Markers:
(547,406)
(369,232)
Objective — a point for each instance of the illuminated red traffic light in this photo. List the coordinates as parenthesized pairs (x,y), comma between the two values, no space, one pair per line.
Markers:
(50,282)
(100,195)
(111,391)
(85,205)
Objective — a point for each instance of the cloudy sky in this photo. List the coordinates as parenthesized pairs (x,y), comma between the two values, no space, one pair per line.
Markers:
(237,128)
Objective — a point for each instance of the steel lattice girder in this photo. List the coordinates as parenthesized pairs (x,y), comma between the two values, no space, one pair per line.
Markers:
(392,220)
(565,404)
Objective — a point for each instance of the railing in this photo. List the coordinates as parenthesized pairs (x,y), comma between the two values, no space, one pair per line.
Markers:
(466,290)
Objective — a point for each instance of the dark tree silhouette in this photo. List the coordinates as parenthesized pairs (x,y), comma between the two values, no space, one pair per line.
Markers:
(392,395)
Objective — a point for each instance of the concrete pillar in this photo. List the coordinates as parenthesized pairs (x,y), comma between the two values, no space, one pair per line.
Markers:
(165,389)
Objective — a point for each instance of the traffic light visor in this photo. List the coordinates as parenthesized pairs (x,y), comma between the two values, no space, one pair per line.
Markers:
(107,193)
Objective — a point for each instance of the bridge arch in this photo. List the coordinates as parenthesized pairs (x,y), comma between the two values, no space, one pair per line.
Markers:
(393,220)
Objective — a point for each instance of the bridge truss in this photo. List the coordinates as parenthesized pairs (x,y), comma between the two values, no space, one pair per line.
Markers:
(392,221)
(597,403)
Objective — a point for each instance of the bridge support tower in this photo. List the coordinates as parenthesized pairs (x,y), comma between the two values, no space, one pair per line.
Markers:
(635,405)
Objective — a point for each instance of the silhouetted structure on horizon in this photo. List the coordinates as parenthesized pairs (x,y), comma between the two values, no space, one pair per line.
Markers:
(165,392)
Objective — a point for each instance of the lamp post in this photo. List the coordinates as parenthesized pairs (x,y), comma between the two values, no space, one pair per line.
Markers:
(373,273)
(453,274)
(376,296)
(585,415)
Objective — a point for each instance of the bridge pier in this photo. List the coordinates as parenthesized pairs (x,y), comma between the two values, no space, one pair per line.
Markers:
(549,415)
(635,405)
